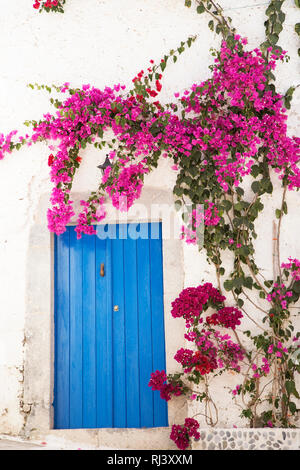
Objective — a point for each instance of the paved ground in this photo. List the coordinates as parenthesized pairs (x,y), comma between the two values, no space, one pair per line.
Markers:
(8,444)
(18,444)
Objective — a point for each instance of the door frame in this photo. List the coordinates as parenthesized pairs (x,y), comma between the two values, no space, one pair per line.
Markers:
(83,337)
(38,387)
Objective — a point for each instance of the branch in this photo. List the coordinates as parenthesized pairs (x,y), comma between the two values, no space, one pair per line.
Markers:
(278,232)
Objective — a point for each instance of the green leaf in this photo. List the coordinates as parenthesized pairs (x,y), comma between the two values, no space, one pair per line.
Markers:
(284,207)
(290,91)
(255,171)
(244,250)
(239,191)
(296,287)
(277,4)
(228,285)
(270,10)
(211,25)
(247,413)
(278,213)
(237,282)
(227,205)
(255,186)
(297,28)
(292,407)
(264,45)
(281,16)
(231,41)
(291,388)
(188,3)
(277,28)
(268,284)
(248,282)
(238,207)
(273,38)
(200,8)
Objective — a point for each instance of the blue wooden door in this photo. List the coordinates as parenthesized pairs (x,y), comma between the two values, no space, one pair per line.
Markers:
(109,329)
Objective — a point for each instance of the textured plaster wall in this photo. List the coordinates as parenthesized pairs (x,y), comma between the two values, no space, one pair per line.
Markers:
(101,42)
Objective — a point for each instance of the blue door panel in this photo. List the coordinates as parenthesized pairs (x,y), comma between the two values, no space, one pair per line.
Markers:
(109,330)
(145,330)
(118,323)
(62,331)
(75,301)
(158,333)
(89,369)
(132,340)
(104,352)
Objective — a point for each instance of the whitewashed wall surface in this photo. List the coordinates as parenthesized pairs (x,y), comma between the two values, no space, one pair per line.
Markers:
(101,42)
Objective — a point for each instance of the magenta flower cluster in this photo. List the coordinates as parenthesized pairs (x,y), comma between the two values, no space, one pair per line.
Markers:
(209,216)
(192,301)
(229,138)
(157,382)
(5,143)
(294,267)
(229,317)
(181,434)
(263,370)
(212,351)
(281,295)
(48,4)
(127,186)
(239,81)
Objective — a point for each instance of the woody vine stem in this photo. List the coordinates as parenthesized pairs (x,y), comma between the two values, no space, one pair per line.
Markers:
(270,400)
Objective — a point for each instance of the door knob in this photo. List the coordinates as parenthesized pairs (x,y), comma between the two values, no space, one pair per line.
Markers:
(116,308)
(102,270)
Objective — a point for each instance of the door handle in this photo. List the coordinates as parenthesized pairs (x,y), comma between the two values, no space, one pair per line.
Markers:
(102,270)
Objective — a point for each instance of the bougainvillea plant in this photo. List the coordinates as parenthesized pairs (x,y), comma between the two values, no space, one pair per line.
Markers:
(135,118)
(49,5)
(220,135)
(212,352)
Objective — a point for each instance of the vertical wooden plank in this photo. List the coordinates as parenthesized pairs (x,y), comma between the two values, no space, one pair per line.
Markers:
(75,330)
(118,325)
(131,334)
(61,328)
(89,386)
(104,335)
(158,329)
(145,331)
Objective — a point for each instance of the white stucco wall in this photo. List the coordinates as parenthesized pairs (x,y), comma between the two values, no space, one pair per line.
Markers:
(101,42)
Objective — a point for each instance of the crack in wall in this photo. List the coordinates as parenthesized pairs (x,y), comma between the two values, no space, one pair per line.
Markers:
(24,408)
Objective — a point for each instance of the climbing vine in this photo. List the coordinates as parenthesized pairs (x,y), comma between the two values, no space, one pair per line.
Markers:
(219,135)
(268,368)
